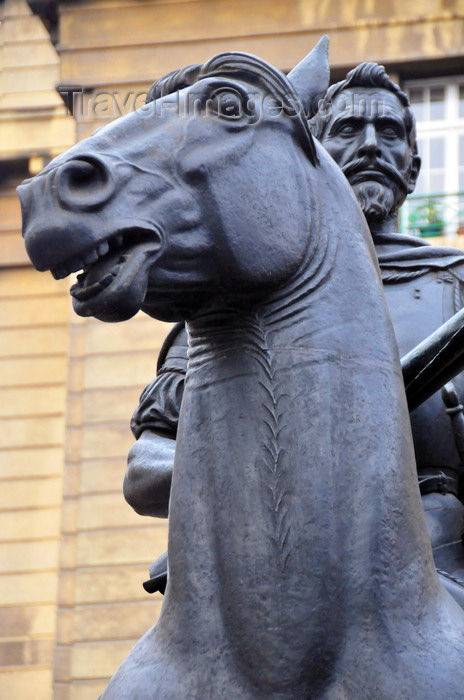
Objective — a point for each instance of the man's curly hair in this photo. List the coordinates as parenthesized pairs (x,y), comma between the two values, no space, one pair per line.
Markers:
(365,75)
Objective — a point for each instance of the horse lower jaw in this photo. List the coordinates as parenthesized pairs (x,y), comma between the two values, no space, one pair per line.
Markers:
(115,287)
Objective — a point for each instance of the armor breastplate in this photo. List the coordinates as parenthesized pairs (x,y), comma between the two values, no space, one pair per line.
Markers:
(418,307)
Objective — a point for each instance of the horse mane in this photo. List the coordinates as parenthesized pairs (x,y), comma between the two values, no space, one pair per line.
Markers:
(253,70)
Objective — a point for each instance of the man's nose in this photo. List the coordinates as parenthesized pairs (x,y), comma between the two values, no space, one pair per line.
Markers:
(369,144)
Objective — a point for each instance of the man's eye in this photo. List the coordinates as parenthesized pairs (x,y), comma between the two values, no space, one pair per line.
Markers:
(347,130)
(227,104)
(389,131)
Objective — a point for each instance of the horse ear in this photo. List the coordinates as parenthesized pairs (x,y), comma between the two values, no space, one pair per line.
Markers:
(311,76)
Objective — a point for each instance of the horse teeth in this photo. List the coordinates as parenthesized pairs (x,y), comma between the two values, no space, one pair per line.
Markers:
(91,257)
(106,280)
(103,248)
(79,294)
(84,293)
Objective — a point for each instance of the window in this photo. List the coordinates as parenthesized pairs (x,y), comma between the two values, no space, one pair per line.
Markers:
(13,172)
(438,105)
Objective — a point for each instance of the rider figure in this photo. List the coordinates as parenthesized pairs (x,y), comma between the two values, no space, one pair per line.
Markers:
(366,124)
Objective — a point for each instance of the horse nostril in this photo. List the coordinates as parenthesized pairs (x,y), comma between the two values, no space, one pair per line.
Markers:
(84,183)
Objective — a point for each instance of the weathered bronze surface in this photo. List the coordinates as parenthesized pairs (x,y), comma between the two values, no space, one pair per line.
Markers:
(366,124)
(299,565)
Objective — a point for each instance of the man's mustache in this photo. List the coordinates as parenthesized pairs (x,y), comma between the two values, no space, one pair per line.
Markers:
(377,165)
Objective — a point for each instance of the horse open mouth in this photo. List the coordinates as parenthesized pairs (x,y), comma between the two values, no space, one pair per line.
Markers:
(113,283)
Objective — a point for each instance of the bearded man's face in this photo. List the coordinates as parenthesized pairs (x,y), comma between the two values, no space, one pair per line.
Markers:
(366,136)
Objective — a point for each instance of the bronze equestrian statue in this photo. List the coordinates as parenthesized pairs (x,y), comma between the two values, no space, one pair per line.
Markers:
(366,124)
(299,564)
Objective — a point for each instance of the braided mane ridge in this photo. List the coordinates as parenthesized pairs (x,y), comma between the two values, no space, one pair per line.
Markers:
(273,453)
(173,81)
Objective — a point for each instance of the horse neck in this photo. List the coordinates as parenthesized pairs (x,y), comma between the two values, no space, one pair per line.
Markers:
(329,328)
(332,309)
(294,424)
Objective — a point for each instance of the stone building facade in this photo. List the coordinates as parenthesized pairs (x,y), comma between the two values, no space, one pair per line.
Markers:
(72,553)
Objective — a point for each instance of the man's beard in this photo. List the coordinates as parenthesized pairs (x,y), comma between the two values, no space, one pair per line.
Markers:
(375,199)
(381,195)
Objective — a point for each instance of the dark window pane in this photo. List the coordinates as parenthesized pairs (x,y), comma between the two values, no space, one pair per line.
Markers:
(13,172)
(437,103)
(416,98)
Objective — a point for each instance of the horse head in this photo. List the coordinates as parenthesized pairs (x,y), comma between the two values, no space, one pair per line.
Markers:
(195,181)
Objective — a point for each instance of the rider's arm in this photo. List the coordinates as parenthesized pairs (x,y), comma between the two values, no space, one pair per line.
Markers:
(147,481)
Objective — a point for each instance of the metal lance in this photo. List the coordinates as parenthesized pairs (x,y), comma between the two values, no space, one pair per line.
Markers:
(435,361)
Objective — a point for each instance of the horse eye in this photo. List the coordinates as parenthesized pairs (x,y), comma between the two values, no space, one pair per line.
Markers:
(227,104)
